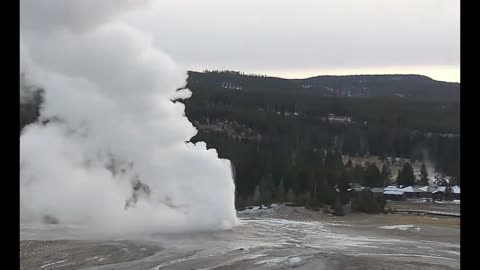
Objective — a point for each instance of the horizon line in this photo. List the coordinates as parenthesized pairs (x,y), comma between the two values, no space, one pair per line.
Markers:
(325,75)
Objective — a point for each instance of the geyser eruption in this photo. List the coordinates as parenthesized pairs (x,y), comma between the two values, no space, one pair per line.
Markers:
(109,150)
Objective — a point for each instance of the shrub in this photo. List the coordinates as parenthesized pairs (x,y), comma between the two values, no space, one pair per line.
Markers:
(338,208)
(367,203)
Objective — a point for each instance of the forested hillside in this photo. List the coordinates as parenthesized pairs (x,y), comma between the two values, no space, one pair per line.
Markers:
(286,138)
(403,86)
(282,136)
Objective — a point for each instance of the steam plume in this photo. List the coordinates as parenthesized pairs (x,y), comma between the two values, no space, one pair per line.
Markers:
(112,155)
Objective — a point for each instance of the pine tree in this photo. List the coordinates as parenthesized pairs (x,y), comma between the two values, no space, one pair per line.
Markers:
(349,164)
(325,193)
(266,188)
(280,196)
(424,175)
(249,201)
(358,174)
(455,181)
(448,192)
(257,196)
(372,176)
(385,174)
(406,176)
(308,197)
(399,175)
(291,195)
(338,207)
(342,181)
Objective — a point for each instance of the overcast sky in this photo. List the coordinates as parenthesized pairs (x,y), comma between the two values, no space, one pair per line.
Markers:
(310,37)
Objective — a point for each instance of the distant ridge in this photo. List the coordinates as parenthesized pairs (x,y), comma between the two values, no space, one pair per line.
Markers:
(363,85)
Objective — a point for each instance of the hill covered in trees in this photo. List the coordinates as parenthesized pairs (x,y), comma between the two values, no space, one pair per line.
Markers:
(402,86)
(286,138)
(289,135)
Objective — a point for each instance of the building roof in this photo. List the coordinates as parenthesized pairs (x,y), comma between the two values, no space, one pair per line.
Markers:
(377,190)
(428,189)
(392,188)
(393,192)
(356,185)
(440,189)
(455,189)
(411,189)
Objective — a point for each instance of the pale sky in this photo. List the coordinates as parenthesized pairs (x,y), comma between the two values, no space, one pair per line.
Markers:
(303,38)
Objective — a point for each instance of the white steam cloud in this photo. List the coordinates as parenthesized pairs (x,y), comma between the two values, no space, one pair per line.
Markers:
(113,155)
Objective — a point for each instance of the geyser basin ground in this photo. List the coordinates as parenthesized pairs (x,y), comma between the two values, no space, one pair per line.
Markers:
(281,237)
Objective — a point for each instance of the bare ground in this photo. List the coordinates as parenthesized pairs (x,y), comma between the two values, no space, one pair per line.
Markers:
(278,238)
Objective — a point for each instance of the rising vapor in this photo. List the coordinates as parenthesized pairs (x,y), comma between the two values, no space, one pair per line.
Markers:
(109,150)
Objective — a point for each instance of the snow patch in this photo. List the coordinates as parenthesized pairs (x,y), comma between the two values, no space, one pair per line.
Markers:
(286,261)
(49,264)
(401,227)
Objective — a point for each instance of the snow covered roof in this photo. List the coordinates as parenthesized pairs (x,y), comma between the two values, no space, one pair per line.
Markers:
(441,189)
(456,189)
(356,185)
(392,188)
(376,190)
(393,192)
(411,189)
(428,189)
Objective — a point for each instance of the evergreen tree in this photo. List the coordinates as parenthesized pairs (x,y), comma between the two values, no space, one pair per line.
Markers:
(280,196)
(385,174)
(249,201)
(372,176)
(406,176)
(399,174)
(358,174)
(424,175)
(338,207)
(267,188)
(291,195)
(325,193)
(257,196)
(308,197)
(349,164)
(455,181)
(449,192)
(343,181)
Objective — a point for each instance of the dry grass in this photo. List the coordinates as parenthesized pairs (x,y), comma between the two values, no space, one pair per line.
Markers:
(425,206)
(421,220)
(299,213)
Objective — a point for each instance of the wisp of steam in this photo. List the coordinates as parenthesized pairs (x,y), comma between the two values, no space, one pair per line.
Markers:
(110,150)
